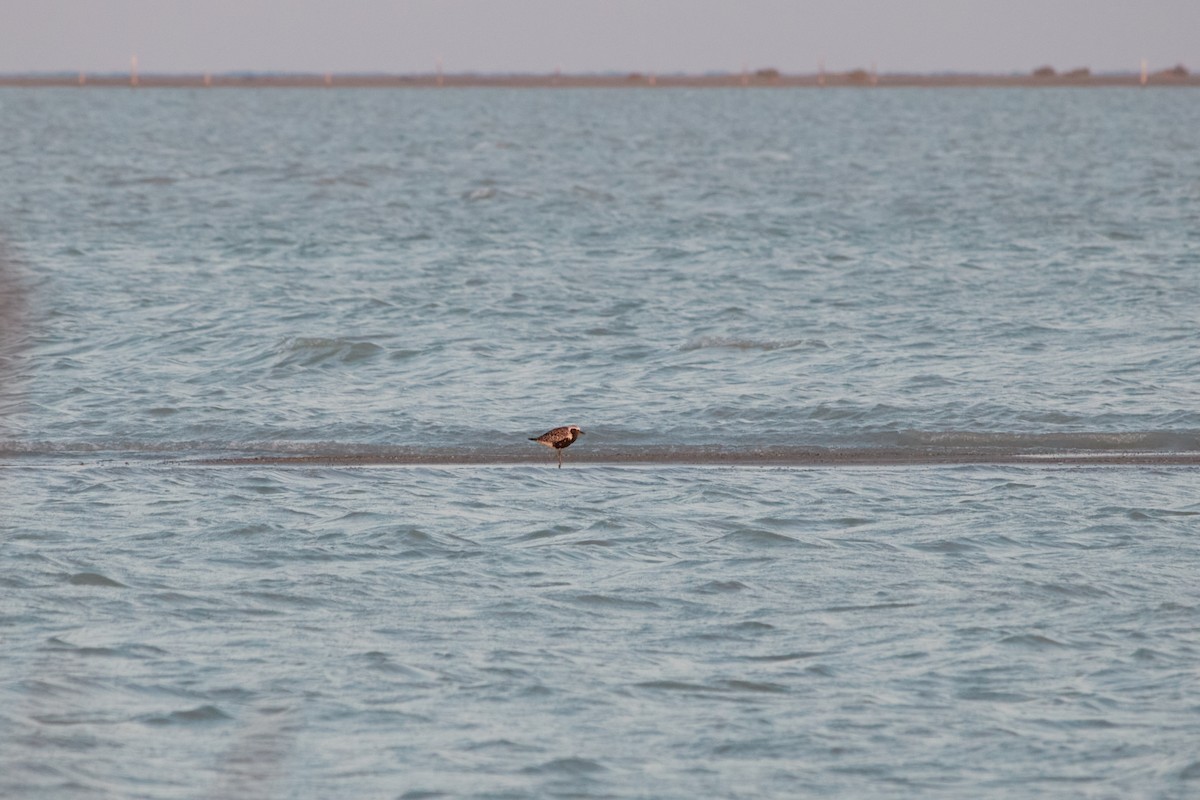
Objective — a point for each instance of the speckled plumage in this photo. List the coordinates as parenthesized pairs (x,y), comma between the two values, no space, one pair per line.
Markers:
(559,438)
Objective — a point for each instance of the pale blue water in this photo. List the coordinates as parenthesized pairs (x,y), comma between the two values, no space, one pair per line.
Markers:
(189,274)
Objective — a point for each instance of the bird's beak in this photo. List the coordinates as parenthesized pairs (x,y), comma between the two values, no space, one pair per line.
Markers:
(581,433)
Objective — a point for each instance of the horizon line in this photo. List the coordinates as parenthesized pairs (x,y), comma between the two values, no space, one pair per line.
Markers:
(769,77)
(1179,69)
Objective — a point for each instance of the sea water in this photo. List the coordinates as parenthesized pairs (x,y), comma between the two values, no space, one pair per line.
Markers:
(189,275)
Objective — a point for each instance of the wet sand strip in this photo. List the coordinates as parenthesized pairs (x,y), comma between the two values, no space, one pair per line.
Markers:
(709,456)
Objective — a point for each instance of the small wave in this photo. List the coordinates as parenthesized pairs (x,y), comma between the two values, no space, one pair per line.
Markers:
(93,579)
(797,656)
(142,180)
(480,193)
(733,343)
(573,766)
(673,686)
(869,607)
(1033,641)
(1142,514)
(190,716)
(590,193)
(599,601)
(314,351)
(720,587)
(735,685)
(761,538)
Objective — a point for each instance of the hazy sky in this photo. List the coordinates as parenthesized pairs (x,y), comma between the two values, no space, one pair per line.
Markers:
(595,35)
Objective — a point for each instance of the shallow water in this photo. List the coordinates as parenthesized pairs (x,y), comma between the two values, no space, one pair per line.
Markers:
(423,268)
(628,632)
(700,280)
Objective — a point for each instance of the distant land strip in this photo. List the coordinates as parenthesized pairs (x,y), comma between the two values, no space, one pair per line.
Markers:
(764,78)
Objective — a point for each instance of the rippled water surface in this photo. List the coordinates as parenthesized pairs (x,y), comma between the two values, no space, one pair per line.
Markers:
(189,277)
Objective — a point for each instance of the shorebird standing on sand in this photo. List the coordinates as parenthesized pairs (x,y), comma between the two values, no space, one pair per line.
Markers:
(559,438)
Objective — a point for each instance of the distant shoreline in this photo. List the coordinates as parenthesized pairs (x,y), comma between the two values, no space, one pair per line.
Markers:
(762,79)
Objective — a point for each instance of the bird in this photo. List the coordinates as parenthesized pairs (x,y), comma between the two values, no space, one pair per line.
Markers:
(559,438)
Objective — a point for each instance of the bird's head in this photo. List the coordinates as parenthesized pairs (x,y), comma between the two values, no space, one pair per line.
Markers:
(574,431)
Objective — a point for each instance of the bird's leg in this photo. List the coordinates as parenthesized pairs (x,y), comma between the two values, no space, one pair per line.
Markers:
(559,458)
